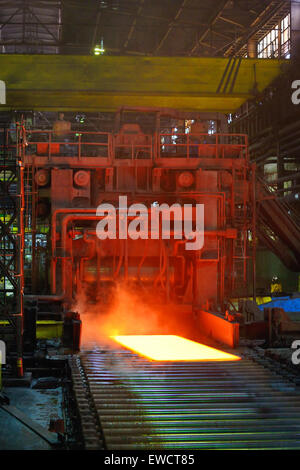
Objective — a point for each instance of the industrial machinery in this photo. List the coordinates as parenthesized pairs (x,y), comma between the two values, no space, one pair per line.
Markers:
(133,210)
(175,166)
(72,183)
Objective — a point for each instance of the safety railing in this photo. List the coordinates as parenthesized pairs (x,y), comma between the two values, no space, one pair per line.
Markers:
(203,145)
(71,144)
(44,143)
(269,193)
(133,146)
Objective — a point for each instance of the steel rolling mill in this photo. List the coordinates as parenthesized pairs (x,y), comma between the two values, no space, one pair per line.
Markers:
(132,221)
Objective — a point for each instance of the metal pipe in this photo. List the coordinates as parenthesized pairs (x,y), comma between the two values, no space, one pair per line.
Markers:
(98,263)
(19,316)
(143,259)
(91,241)
(115,274)
(77,213)
(253,167)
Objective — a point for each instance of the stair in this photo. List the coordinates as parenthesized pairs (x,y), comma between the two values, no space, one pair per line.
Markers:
(278,227)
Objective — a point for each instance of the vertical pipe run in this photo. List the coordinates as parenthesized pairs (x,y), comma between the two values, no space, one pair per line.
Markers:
(295,28)
(33,231)
(126,260)
(167,275)
(98,264)
(253,168)
(20,271)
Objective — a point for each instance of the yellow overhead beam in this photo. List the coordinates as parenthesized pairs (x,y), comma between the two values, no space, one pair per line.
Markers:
(104,83)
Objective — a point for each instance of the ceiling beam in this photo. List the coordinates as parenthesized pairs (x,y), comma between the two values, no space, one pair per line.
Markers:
(179,11)
(222,35)
(230,21)
(206,44)
(10,18)
(41,23)
(265,16)
(213,19)
(192,24)
(132,28)
(98,18)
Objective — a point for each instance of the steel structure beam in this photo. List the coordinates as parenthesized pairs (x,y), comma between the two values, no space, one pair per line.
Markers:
(132,28)
(211,22)
(180,9)
(230,21)
(259,27)
(295,26)
(12,246)
(30,24)
(105,83)
(95,32)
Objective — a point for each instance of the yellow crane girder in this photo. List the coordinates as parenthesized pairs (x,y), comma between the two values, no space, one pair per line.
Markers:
(104,83)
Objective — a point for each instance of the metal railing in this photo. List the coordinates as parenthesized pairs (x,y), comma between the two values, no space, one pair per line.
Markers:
(133,146)
(203,145)
(290,211)
(45,143)
(74,144)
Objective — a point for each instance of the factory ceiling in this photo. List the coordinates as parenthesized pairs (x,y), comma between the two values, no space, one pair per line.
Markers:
(167,27)
(137,27)
(184,54)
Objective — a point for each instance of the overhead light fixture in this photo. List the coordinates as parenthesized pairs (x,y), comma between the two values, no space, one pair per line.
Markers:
(99,48)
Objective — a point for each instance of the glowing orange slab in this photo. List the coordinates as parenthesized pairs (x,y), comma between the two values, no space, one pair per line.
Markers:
(172,348)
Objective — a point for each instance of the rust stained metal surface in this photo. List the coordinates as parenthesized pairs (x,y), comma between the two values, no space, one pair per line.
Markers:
(48,82)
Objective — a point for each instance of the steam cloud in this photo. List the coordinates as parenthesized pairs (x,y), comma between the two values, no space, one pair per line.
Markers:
(131,311)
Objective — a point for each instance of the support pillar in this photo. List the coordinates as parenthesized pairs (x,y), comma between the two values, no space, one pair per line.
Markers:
(295,28)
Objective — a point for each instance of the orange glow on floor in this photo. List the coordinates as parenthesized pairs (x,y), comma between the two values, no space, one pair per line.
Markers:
(172,348)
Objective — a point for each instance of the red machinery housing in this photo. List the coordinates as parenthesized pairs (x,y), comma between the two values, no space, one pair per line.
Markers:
(73,177)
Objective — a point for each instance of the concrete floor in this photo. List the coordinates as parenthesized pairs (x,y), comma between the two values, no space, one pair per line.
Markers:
(40,406)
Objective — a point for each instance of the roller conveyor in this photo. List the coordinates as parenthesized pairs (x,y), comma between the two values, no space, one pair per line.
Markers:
(129,402)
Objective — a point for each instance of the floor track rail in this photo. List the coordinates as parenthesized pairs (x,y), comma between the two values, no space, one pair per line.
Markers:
(189,405)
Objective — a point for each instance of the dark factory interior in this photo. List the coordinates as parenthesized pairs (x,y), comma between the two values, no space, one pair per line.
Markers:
(149,225)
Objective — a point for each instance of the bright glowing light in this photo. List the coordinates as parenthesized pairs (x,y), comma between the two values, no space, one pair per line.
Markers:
(172,348)
(99,48)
